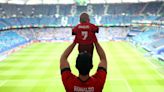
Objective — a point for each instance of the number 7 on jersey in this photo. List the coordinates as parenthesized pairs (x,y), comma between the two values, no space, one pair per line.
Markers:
(84,34)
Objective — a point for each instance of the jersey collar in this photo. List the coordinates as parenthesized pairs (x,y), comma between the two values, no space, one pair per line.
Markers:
(82,80)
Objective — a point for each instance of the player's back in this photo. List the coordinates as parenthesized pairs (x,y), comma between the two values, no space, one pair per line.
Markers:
(94,83)
(90,85)
(85,33)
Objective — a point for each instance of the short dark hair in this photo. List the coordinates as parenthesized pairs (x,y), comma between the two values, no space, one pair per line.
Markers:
(84,63)
(84,17)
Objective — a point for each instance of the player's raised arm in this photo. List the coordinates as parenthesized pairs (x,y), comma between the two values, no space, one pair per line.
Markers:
(101,53)
(63,60)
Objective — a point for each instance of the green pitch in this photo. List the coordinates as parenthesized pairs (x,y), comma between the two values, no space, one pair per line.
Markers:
(36,69)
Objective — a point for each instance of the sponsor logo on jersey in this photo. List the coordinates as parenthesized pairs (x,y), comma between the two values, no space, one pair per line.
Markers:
(83,89)
(84,27)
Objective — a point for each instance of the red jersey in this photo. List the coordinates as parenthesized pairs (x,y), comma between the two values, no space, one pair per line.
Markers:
(94,84)
(85,33)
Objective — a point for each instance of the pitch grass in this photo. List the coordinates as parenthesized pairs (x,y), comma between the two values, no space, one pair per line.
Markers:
(36,69)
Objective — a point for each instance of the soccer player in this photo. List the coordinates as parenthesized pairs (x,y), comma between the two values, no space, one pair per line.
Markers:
(83,82)
(85,34)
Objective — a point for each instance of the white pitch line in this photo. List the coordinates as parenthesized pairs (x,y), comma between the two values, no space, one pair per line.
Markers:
(1,84)
(154,68)
(125,81)
(127,84)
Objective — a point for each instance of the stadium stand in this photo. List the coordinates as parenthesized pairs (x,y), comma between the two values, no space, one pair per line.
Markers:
(152,40)
(10,39)
(160,18)
(3,23)
(161,56)
(158,53)
(45,34)
(155,44)
(144,37)
(161,10)
(44,22)
(118,33)
(113,14)
(152,7)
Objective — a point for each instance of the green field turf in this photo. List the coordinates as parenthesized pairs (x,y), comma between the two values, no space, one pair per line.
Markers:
(36,69)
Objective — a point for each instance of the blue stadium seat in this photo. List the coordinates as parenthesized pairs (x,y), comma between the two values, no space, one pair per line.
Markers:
(9,40)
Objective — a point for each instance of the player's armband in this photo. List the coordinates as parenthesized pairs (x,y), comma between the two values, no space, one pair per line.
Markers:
(102,68)
(65,69)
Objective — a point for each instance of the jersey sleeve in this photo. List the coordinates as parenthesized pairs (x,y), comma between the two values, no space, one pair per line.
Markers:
(74,30)
(100,75)
(95,28)
(66,76)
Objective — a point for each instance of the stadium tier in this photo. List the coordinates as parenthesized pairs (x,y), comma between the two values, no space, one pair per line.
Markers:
(149,35)
(14,16)
(154,44)
(9,40)
(67,15)
(43,20)
(93,9)
(152,7)
(151,39)
(69,21)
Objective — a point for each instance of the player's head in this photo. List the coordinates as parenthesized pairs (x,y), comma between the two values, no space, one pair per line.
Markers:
(84,17)
(84,63)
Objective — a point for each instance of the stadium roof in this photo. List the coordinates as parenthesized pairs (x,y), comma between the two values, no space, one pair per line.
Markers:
(71,1)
